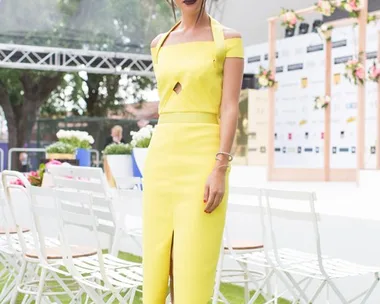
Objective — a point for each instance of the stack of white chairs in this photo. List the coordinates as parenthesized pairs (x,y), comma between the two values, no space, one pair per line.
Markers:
(304,275)
(54,266)
(23,246)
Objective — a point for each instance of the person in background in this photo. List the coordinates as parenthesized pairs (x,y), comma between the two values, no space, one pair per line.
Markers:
(116,136)
(24,165)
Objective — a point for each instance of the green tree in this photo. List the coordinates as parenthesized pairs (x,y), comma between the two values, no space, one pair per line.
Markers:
(106,25)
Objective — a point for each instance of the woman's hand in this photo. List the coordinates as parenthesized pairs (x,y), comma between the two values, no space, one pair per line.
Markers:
(215,188)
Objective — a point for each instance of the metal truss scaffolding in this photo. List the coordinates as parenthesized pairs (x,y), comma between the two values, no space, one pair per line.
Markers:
(71,60)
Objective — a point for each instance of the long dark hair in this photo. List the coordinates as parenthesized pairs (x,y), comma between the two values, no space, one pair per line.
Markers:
(203,7)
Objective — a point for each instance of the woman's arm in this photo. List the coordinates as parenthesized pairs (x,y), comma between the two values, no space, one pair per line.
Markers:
(229,112)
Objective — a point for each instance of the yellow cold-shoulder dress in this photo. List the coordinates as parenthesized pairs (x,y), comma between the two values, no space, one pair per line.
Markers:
(181,156)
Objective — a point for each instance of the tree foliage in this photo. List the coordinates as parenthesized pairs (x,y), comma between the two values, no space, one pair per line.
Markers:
(105,25)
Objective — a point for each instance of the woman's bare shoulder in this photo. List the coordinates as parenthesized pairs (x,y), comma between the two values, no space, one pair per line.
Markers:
(230,33)
(156,40)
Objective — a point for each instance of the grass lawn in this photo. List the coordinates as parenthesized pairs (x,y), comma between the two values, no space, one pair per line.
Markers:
(233,293)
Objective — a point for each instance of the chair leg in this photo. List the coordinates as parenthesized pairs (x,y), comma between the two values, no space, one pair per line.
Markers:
(18,282)
(246,287)
(41,285)
(218,280)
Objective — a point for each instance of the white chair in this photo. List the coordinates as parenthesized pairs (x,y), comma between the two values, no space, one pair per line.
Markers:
(89,180)
(9,256)
(26,246)
(311,267)
(233,248)
(106,284)
(129,215)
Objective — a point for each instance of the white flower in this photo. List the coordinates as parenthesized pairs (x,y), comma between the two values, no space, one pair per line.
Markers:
(90,139)
(327,99)
(338,3)
(134,143)
(263,81)
(319,103)
(326,8)
(348,7)
(324,27)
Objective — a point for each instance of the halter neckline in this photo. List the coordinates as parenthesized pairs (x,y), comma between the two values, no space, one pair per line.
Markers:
(217,33)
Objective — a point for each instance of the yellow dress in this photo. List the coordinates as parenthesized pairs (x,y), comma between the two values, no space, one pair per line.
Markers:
(181,156)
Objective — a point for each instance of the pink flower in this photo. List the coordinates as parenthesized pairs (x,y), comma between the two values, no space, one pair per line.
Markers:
(293,21)
(360,73)
(265,72)
(34,173)
(271,77)
(17,182)
(54,162)
(353,5)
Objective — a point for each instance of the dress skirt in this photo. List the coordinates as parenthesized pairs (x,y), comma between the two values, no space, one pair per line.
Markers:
(181,156)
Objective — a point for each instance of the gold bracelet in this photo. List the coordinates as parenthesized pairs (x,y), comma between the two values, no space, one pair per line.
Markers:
(230,157)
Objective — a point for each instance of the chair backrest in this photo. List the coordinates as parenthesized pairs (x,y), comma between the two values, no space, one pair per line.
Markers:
(92,181)
(295,206)
(244,201)
(128,204)
(16,190)
(128,183)
(75,211)
(80,178)
(46,221)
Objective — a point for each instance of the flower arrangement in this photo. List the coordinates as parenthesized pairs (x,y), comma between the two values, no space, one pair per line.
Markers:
(355,72)
(118,149)
(321,102)
(353,7)
(289,18)
(35,178)
(326,7)
(77,139)
(266,78)
(141,138)
(60,148)
(374,73)
(325,32)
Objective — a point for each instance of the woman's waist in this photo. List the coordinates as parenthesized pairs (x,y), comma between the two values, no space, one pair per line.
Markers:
(188,117)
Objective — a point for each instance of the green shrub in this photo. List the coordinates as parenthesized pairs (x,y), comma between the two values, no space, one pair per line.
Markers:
(61,148)
(118,149)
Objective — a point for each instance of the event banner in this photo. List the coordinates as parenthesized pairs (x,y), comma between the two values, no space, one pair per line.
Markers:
(257,127)
(300,72)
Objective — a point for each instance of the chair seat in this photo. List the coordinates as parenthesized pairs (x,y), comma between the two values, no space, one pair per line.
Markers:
(53,253)
(12,230)
(244,245)
(307,264)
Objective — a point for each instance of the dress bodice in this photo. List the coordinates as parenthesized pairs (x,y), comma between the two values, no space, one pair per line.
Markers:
(190,75)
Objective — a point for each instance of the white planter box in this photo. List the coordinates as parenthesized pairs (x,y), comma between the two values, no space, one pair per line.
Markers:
(120,166)
(140,157)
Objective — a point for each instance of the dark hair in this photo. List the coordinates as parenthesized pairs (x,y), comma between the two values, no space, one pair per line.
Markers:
(200,12)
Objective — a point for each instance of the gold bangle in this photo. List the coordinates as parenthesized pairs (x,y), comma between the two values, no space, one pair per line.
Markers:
(230,157)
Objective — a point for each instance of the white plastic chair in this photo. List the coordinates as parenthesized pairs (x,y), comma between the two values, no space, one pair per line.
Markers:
(233,248)
(312,267)
(118,280)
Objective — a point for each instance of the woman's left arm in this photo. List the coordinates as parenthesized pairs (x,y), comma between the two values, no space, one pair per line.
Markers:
(229,112)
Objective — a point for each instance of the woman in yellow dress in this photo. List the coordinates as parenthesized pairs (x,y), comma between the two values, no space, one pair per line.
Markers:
(199,68)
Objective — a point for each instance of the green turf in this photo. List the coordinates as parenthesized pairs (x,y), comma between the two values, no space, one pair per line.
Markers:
(233,293)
